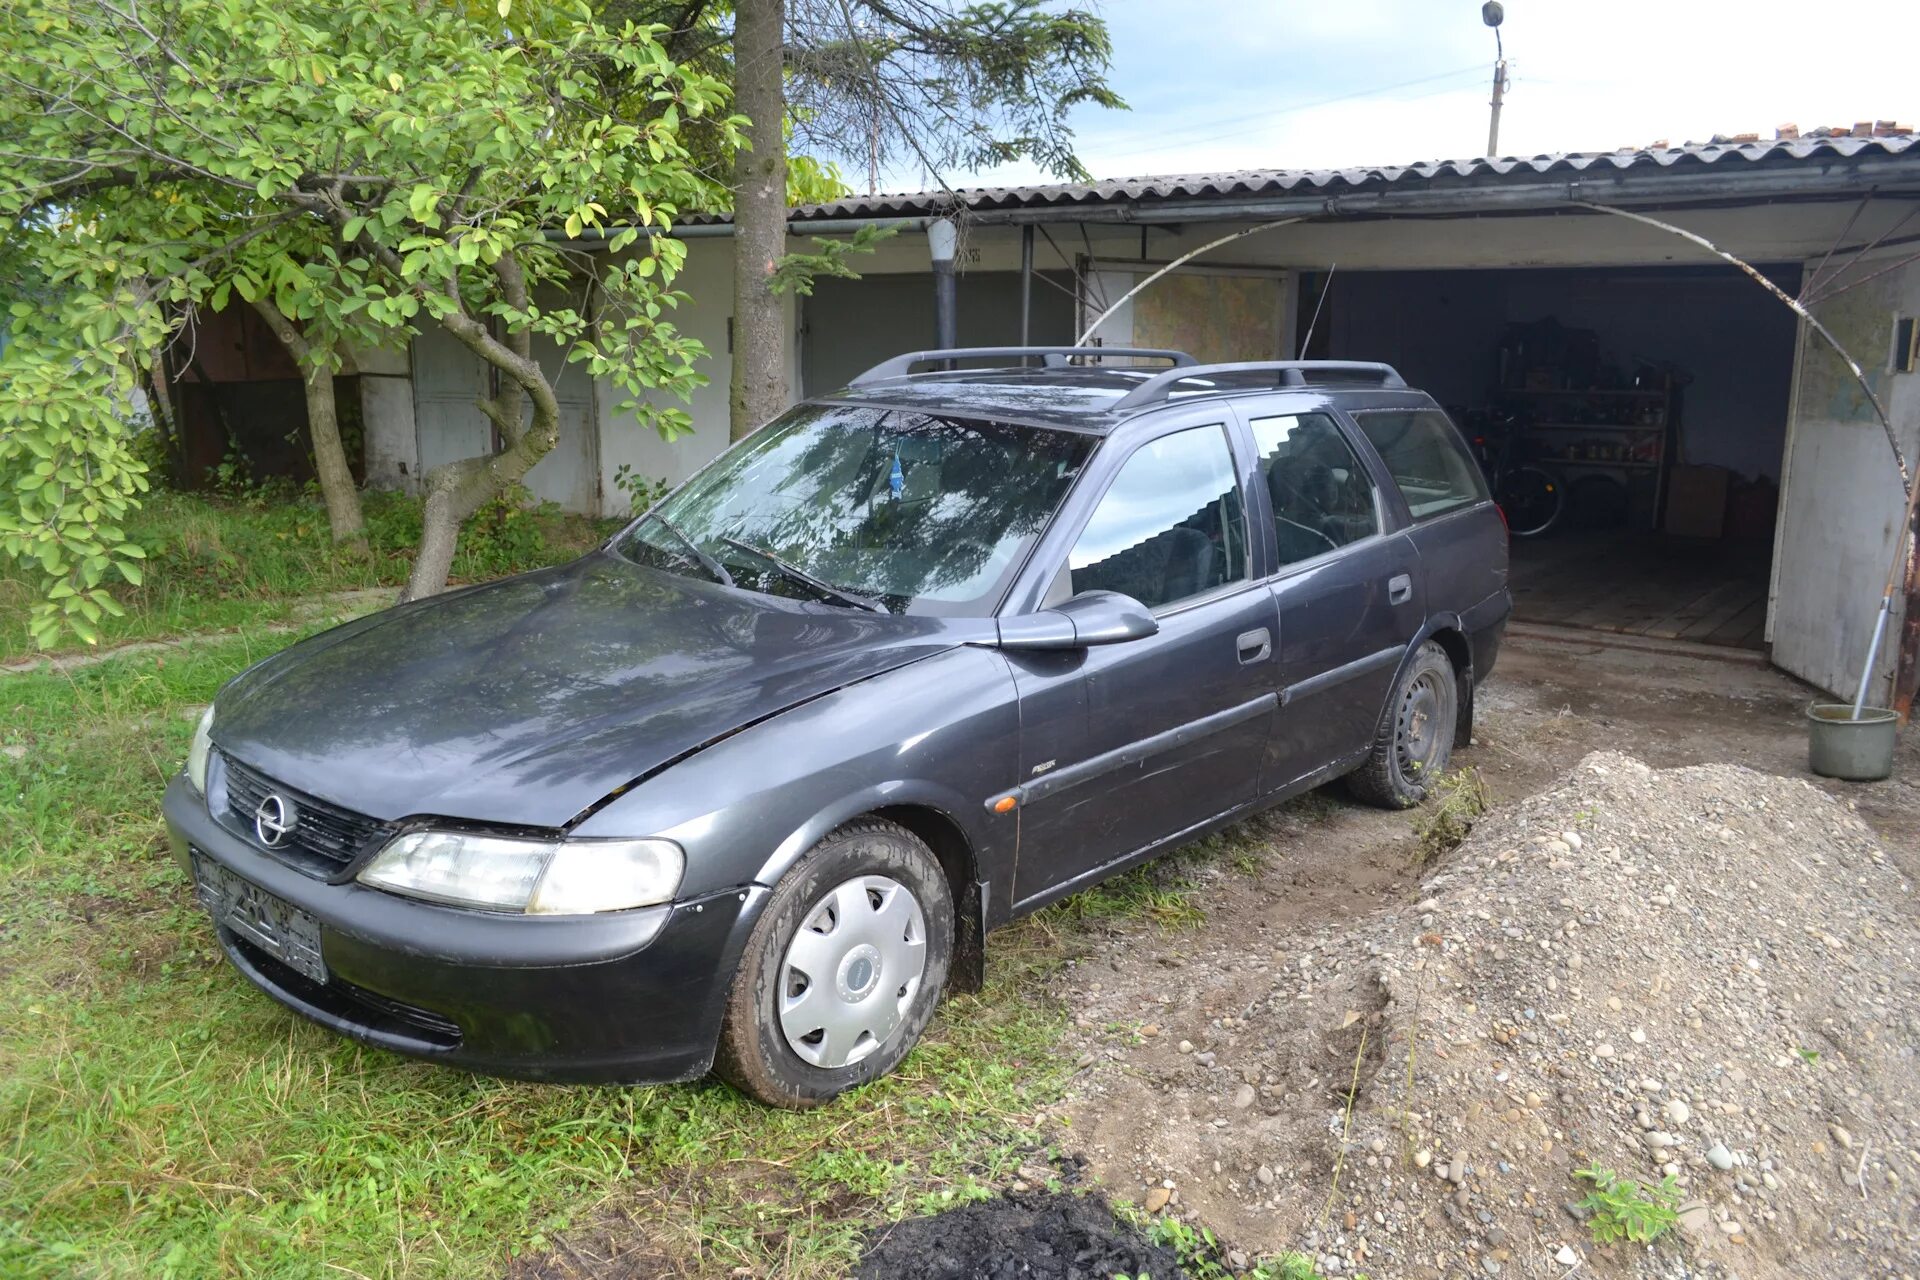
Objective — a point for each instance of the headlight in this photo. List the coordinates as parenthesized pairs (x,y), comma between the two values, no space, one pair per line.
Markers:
(539,877)
(202,748)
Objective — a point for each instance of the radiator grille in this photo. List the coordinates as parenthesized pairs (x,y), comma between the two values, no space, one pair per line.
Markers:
(324,838)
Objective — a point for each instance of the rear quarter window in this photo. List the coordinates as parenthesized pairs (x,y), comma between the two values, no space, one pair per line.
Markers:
(1424,455)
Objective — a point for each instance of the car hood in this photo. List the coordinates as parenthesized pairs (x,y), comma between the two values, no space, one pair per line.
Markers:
(526,701)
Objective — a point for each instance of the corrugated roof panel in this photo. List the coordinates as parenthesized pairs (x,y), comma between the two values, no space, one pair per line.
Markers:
(1256,182)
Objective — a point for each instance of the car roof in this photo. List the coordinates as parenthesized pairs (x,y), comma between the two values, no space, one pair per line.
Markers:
(1059,393)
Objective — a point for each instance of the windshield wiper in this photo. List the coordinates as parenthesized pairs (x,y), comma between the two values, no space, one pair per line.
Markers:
(800,575)
(707,562)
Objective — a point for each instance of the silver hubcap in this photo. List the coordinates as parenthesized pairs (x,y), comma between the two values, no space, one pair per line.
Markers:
(852,971)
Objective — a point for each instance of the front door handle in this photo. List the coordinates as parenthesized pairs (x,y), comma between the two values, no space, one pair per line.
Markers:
(1399,589)
(1255,646)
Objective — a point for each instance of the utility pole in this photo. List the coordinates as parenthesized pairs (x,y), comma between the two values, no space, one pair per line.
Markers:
(1493,13)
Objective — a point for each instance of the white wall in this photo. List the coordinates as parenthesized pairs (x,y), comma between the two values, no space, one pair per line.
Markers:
(707,279)
(1841,508)
(392,446)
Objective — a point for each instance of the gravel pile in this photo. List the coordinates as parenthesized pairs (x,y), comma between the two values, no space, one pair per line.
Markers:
(1707,973)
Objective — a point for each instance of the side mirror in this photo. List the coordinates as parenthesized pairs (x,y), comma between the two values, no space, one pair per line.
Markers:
(1095,617)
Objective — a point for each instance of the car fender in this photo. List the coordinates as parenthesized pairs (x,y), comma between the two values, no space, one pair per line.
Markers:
(919,792)
(941,734)
(1463,666)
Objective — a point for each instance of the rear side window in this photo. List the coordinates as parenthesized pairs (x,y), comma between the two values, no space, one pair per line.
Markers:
(1423,453)
(1322,496)
(1171,526)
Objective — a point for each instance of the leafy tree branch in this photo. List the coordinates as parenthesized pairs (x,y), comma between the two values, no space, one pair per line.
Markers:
(354,173)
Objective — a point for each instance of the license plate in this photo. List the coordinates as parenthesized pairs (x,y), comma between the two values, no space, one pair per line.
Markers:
(278,928)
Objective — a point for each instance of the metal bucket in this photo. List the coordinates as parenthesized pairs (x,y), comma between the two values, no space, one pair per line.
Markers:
(1838,746)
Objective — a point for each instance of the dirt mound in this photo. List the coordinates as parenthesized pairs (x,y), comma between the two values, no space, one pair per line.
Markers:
(1017,1237)
(1705,973)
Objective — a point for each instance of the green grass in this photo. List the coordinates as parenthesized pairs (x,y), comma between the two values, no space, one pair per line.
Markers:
(216,563)
(1204,1257)
(1457,800)
(159,1117)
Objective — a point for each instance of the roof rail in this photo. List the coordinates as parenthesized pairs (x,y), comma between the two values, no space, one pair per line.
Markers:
(1055,358)
(1286,373)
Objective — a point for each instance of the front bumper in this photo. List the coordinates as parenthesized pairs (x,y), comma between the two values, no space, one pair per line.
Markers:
(629,997)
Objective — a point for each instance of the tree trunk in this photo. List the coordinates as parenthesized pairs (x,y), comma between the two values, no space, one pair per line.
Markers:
(323,427)
(759,387)
(166,416)
(455,490)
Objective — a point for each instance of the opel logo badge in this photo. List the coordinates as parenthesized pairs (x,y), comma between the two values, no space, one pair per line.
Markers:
(274,820)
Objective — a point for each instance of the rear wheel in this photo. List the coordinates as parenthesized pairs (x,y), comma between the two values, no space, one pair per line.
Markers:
(1532,500)
(843,969)
(1414,742)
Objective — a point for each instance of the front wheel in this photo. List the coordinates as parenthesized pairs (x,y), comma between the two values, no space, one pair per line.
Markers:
(842,971)
(1414,742)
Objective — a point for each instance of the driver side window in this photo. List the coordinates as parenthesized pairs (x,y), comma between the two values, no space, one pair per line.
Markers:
(1321,494)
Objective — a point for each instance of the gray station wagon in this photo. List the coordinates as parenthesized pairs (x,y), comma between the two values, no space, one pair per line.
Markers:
(747,788)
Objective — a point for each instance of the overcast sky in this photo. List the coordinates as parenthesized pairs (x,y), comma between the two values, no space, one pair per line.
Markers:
(1233,84)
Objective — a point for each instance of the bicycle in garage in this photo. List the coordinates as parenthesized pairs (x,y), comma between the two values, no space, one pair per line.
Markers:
(1532,497)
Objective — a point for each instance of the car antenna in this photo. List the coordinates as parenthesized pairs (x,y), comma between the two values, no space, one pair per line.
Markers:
(1325,285)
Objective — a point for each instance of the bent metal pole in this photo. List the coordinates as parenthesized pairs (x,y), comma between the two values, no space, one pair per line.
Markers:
(1903,533)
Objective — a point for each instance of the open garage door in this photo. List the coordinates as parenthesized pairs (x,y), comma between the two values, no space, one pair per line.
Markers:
(1652,400)
(1841,513)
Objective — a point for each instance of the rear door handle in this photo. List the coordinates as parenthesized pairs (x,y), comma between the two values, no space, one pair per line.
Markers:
(1399,589)
(1255,646)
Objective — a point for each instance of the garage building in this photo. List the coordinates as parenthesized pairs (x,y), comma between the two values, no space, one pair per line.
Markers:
(1724,478)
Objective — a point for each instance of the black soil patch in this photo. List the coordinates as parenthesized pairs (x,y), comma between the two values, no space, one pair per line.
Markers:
(1017,1237)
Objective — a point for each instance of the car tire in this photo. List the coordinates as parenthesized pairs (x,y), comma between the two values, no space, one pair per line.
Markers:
(1414,742)
(871,1008)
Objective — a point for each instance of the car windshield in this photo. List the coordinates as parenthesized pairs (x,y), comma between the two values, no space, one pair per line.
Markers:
(914,512)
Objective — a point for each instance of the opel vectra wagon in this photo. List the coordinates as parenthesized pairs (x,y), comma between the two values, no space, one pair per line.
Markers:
(746,788)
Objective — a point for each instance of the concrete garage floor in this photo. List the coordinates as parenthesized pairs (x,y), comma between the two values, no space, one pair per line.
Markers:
(1644,584)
